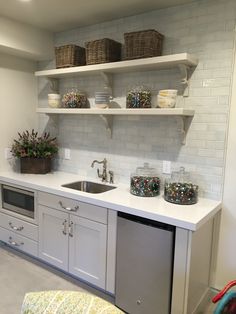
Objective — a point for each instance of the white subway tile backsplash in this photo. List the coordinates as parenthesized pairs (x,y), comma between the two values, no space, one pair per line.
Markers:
(220,91)
(204,28)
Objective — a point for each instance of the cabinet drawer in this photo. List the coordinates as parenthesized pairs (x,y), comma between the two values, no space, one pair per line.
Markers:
(19,226)
(17,241)
(81,209)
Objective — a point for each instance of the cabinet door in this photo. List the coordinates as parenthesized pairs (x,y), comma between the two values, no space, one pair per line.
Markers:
(53,237)
(87,250)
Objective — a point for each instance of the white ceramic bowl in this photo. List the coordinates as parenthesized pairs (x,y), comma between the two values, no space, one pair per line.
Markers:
(101,106)
(54,100)
(168,92)
(165,102)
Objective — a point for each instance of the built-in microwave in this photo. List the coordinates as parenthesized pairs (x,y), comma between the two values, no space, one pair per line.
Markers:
(19,201)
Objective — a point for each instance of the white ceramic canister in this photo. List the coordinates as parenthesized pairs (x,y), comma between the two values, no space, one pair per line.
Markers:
(54,100)
(165,102)
(172,93)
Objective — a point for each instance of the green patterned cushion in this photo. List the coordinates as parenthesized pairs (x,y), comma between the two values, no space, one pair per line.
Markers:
(66,302)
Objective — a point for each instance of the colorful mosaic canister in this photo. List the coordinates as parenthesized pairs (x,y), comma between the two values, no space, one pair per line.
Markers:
(138,97)
(74,99)
(179,189)
(145,182)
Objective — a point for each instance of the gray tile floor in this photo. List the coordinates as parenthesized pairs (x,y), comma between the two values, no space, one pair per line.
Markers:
(33,276)
(19,275)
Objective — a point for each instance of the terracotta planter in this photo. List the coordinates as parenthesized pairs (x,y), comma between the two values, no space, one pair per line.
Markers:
(35,165)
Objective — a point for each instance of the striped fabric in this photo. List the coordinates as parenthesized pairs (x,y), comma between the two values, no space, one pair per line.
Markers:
(66,302)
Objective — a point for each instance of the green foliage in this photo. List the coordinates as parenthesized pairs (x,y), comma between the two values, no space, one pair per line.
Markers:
(29,144)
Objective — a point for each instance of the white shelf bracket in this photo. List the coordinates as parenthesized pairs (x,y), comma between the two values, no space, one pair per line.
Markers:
(53,123)
(184,71)
(107,78)
(108,120)
(185,123)
(54,85)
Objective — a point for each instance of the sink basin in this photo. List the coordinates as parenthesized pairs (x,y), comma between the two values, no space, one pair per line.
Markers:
(89,187)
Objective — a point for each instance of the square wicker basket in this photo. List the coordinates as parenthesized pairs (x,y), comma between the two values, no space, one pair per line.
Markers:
(102,51)
(69,56)
(143,44)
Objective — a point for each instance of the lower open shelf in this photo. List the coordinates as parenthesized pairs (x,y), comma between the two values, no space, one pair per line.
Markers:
(186,115)
(120,111)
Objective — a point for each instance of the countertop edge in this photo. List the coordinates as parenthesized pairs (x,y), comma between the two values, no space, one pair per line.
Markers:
(104,201)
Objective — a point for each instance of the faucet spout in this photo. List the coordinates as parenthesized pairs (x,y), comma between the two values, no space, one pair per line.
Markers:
(103,175)
(104,162)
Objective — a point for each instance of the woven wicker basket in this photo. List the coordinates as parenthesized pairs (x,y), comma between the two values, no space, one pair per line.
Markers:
(102,51)
(69,56)
(143,44)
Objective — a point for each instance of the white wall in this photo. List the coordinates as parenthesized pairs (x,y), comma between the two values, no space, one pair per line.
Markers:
(18,100)
(25,41)
(226,262)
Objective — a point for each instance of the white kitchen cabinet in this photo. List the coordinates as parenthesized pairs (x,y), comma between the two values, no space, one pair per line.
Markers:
(87,250)
(19,226)
(19,242)
(74,244)
(53,237)
(19,234)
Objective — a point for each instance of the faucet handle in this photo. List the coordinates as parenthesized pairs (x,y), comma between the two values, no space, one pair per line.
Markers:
(111,173)
(104,162)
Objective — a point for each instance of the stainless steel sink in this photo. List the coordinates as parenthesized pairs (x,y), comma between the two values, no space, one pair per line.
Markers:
(89,187)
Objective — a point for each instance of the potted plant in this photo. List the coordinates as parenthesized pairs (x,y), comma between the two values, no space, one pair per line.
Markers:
(35,152)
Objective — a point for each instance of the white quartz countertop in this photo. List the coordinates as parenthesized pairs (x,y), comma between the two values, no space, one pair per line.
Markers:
(189,217)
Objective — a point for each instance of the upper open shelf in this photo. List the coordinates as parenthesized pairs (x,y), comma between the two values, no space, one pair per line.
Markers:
(154,63)
(120,111)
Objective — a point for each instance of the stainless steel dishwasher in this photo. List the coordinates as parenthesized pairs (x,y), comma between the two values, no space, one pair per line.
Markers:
(144,265)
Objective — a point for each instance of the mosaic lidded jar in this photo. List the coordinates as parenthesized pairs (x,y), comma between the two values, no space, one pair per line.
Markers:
(145,182)
(179,189)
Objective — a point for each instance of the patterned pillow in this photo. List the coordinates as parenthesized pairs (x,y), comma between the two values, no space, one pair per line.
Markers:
(66,302)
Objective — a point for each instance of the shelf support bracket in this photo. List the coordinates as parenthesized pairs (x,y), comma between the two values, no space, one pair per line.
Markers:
(108,120)
(185,124)
(53,122)
(54,85)
(107,78)
(185,74)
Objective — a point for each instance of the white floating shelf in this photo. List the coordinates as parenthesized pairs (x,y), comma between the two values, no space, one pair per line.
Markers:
(107,115)
(154,63)
(128,112)
(183,61)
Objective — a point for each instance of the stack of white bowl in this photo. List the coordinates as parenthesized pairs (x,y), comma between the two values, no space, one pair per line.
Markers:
(167,98)
(102,99)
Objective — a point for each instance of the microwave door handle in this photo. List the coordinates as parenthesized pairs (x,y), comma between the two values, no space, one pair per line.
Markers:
(21,191)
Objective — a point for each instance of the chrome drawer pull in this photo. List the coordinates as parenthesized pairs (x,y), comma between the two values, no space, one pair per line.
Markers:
(16,228)
(64,224)
(14,243)
(69,208)
(71,229)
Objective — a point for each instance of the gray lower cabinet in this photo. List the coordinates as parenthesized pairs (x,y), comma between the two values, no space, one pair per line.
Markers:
(53,237)
(19,234)
(74,244)
(87,250)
